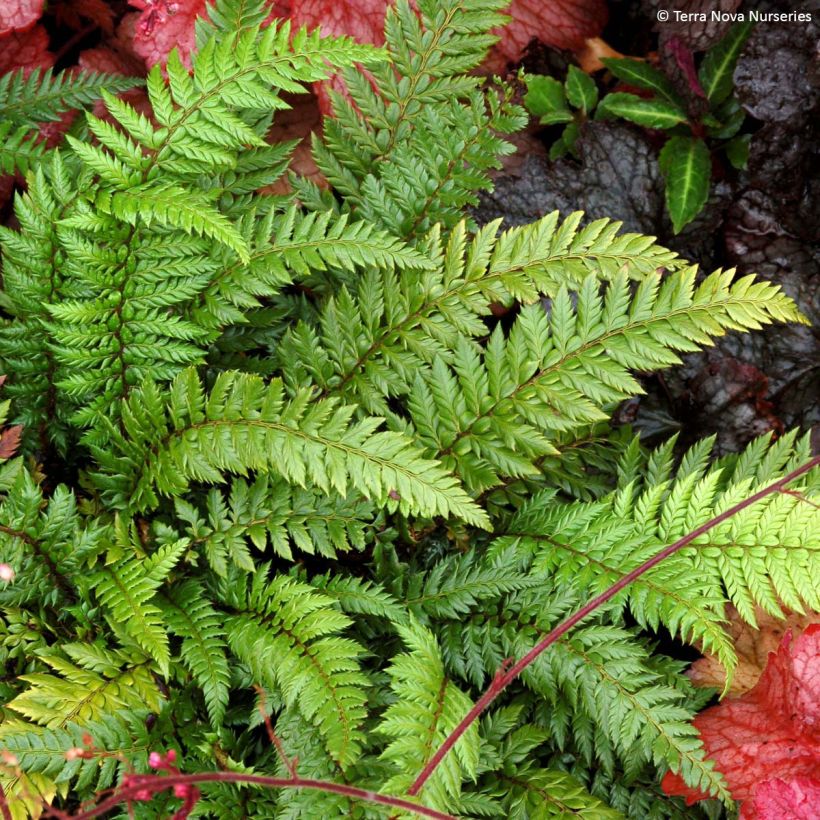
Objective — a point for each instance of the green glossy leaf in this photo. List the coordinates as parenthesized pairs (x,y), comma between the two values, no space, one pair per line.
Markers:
(581,89)
(556,117)
(737,151)
(718,65)
(643,75)
(686,164)
(649,113)
(544,95)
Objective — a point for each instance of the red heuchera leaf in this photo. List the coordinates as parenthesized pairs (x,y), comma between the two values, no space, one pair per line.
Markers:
(564,24)
(165,25)
(168,24)
(19,15)
(361,19)
(25,49)
(777,799)
(773,731)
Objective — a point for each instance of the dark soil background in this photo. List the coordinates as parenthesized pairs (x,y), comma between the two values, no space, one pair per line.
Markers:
(764,220)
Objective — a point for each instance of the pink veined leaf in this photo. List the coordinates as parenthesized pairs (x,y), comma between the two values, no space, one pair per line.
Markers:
(165,25)
(772,731)
(18,15)
(361,19)
(564,24)
(776,799)
(25,49)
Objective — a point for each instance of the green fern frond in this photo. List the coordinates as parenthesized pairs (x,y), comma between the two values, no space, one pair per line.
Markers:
(289,636)
(420,138)
(245,425)
(191,615)
(127,590)
(494,415)
(428,706)
(31,97)
(73,693)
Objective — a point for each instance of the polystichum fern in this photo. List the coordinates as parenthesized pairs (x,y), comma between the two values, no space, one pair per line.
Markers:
(287,489)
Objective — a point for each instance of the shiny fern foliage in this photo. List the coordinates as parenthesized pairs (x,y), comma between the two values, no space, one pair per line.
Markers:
(280,457)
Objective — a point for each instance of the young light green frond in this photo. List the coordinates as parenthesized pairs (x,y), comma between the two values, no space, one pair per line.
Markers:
(244,425)
(127,592)
(428,706)
(289,635)
(540,258)
(72,693)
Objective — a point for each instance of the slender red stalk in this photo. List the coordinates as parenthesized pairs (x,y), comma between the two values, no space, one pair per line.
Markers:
(505,676)
(157,783)
(4,806)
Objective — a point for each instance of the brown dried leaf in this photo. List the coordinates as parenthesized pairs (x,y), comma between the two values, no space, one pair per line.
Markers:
(752,646)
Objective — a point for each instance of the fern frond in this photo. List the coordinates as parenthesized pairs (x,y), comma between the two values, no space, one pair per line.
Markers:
(494,415)
(119,738)
(420,137)
(127,590)
(767,555)
(459,584)
(73,693)
(428,706)
(289,636)
(31,97)
(245,425)
(191,615)
(602,671)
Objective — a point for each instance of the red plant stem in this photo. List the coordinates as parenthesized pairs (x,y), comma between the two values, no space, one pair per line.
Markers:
(504,676)
(4,806)
(156,783)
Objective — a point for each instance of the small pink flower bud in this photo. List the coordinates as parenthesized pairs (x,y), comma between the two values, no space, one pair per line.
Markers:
(75,753)
(182,790)
(6,573)
(155,760)
(142,794)
(171,756)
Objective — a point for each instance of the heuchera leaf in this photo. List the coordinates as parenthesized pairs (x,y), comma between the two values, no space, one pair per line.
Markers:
(19,15)
(25,49)
(165,25)
(361,19)
(777,799)
(564,24)
(769,733)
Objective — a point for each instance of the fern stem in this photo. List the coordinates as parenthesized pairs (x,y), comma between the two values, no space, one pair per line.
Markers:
(156,783)
(508,673)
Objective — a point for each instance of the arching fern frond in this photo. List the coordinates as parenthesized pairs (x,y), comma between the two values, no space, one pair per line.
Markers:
(175,436)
